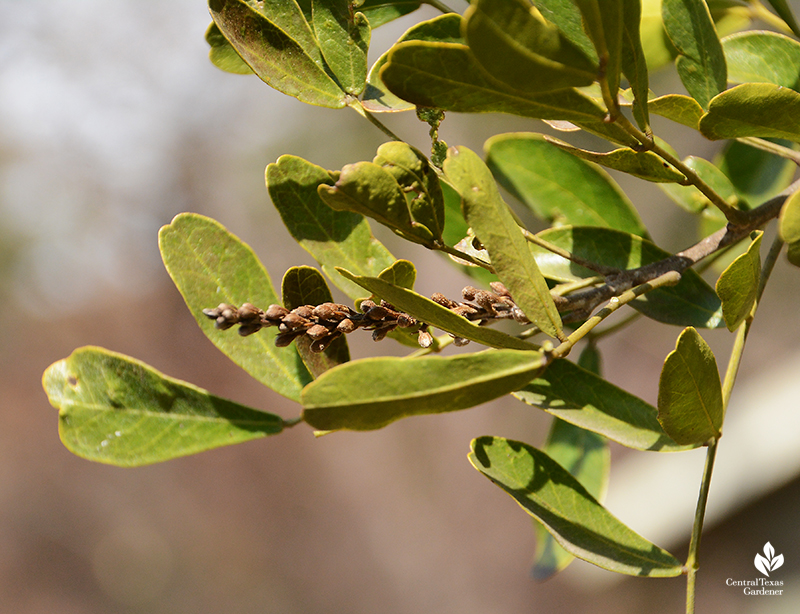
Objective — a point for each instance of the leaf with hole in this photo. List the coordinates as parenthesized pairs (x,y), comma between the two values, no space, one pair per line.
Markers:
(117,410)
(210,266)
(371,393)
(579,523)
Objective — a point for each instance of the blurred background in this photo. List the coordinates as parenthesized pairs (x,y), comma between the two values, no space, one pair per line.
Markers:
(112,121)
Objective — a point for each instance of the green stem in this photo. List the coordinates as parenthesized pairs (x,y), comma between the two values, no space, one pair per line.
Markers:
(463,256)
(355,104)
(438,5)
(770,147)
(697,527)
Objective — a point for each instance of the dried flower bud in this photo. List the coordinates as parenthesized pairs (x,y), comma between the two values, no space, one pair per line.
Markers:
(318,331)
(405,321)
(285,339)
(519,315)
(275,312)
(469,293)
(424,339)
(380,333)
(460,341)
(249,329)
(304,311)
(293,321)
(440,298)
(346,326)
(377,313)
(325,311)
(499,288)
(366,305)
(249,312)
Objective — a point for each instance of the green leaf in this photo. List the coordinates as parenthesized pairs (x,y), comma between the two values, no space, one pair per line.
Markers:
(643,164)
(495,226)
(691,302)
(689,392)
(514,44)
(753,109)
(223,55)
(634,63)
(578,522)
(333,238)
(785,12)
(402,273)
(680,109)
(789,227)
(369,189)
(603,22)
(371,393)
(444,28)
(343,37)
(584,399)
(567,17)
(416,177)
(275,40)
(756,175)
(446,76)
(693,200)
(701,64)
(304,285)
(658,49)
(763,57)
(558,187)
(737,287)
(380,12)
(210,266)
(587,457)
(426,310)
(114,409)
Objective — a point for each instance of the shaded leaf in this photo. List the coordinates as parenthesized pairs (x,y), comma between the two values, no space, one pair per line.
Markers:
(446,76)
(343,36)
(690,392)
(693,200)
(701,64)
(380,12)
(691,302)
(371,393)
(275,40)
(223,55)
(678,108)
(789,227)
(578,522)
(783,9)
(377,98)
(514,44)
(402,273)
(567,17)
(603,22)
(304,285)
(763,57)
(333,238)
(753,109)
(756,175)
(737,287)
(643,164)
(116,410)
(558,187)
(426,310)
(210,266)
(634,63)
(500,235)
(584,399)
(658,49)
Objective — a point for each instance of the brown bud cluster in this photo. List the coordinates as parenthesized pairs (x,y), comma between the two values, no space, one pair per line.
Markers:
(320,323)
(325,322)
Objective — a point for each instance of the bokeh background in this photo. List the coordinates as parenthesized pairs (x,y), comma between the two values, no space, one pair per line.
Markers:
(112,121)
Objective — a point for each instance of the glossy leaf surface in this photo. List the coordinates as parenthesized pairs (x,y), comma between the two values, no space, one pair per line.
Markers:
(691,302)
(678,108)
(737,287)
(789,227)
(517,46)
(371,393)
(116,410)
(690,392)
(498,231)
(558,187)
(446,76)
(333,238)
(426,310)
(275,40)
(763,57)
(567,17)
(556,499)
(701,64)
(210,266)
(304,285)
(753,109)
(343,35)
(584,399)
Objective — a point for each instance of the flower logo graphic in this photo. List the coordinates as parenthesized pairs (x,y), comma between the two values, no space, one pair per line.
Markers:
(769,562)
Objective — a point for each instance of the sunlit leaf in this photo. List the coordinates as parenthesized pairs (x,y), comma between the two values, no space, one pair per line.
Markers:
(737,287)
(500,235)
(603,22)
(584,399)
(701,63)
(210,266)
(678,108)
(343,36)
(517,46)
(690,392)
(116,410)
(567,17)
(223,55)
(753,109)
(693,200)
(558,187)
(633,61)
(304,285)
(763,57)
(578,522)
(333,238)
(371,393)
